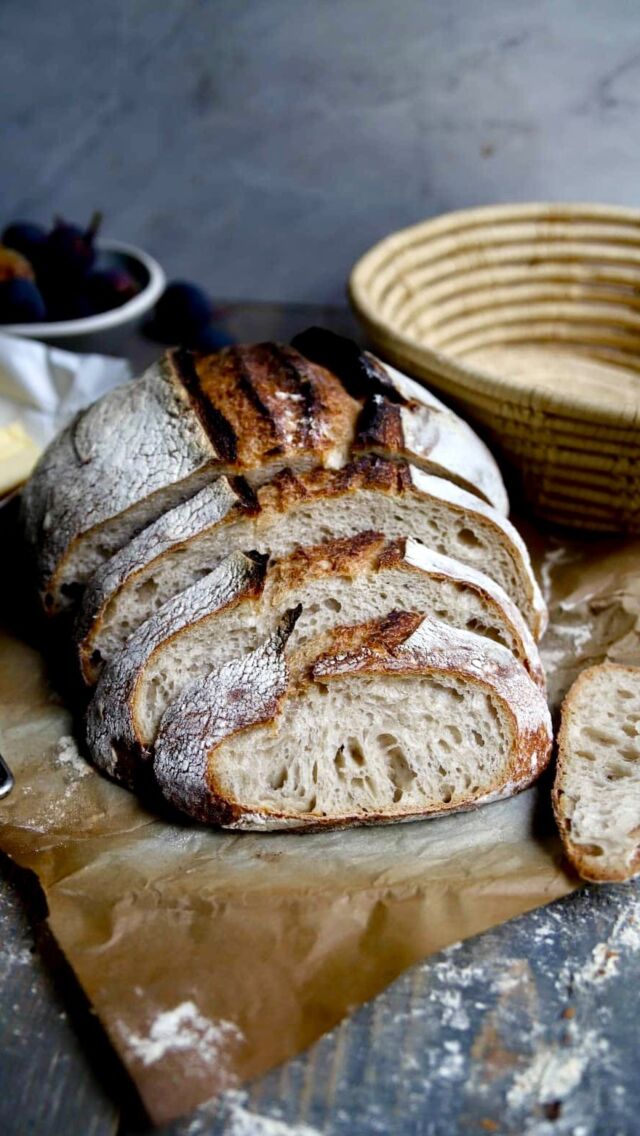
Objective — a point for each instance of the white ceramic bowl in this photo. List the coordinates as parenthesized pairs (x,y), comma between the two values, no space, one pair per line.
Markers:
(111,254)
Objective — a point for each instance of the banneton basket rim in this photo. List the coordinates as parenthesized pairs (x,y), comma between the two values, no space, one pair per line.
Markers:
(456,375)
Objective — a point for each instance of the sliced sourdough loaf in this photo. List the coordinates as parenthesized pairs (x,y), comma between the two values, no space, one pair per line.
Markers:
(393,720)
(246,410)
(596,795)
(240,604)
(295,510)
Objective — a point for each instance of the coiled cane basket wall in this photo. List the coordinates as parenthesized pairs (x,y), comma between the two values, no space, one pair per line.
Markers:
(527,317)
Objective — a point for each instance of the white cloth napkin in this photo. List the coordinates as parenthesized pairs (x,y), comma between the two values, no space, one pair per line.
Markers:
(42,387)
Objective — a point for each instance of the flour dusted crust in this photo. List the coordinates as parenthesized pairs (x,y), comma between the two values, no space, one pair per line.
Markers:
(370,555)
(140,441)
(288,490)
(240,603)
(113,736)
(214,507)
(251,695)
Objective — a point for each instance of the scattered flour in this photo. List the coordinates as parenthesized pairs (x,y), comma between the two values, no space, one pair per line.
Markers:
(183,1028)
(552,559)
(452,1062)
(602,965)
(66,755)
(555,1071)
(605,956)
(241,1121)
(626,929)
(453,1012)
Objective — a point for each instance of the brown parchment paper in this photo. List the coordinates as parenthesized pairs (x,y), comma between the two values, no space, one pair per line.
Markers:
(211,957)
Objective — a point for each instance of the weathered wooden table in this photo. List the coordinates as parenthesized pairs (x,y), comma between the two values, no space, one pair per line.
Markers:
(527,1030)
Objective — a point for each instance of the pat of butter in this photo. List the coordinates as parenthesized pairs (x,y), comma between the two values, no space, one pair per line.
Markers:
(18,455)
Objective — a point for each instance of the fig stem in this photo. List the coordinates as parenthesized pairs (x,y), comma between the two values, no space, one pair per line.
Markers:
(95,223)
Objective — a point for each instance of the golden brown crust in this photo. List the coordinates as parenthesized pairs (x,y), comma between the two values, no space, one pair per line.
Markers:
(288,488)
(344,556)
(374,640)
(379,427)
(267,402)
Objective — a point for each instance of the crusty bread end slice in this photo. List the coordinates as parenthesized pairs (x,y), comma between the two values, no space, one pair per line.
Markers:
(596,796)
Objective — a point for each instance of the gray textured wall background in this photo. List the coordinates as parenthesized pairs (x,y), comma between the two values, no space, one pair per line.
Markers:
(261,145)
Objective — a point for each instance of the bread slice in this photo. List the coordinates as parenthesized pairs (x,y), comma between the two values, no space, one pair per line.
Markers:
(401,418)
(393,720)
(151,443)
(239,604)
(596,795)
(245,410)
(292,511)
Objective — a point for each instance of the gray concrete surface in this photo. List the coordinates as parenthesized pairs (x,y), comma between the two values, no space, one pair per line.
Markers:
(260,145)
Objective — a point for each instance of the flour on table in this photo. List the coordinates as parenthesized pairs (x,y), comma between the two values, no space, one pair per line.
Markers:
(181,1029)
(555,1071)
(66,755)
(605,956)
(241,1121)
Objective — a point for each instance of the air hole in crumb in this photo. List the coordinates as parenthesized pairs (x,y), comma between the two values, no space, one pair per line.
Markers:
(355,751)
(278,779)
(399,770)
(617,773)
(332,604)
(468,538)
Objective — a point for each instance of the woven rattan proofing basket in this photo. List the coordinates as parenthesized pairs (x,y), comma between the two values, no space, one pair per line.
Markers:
(527,317)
